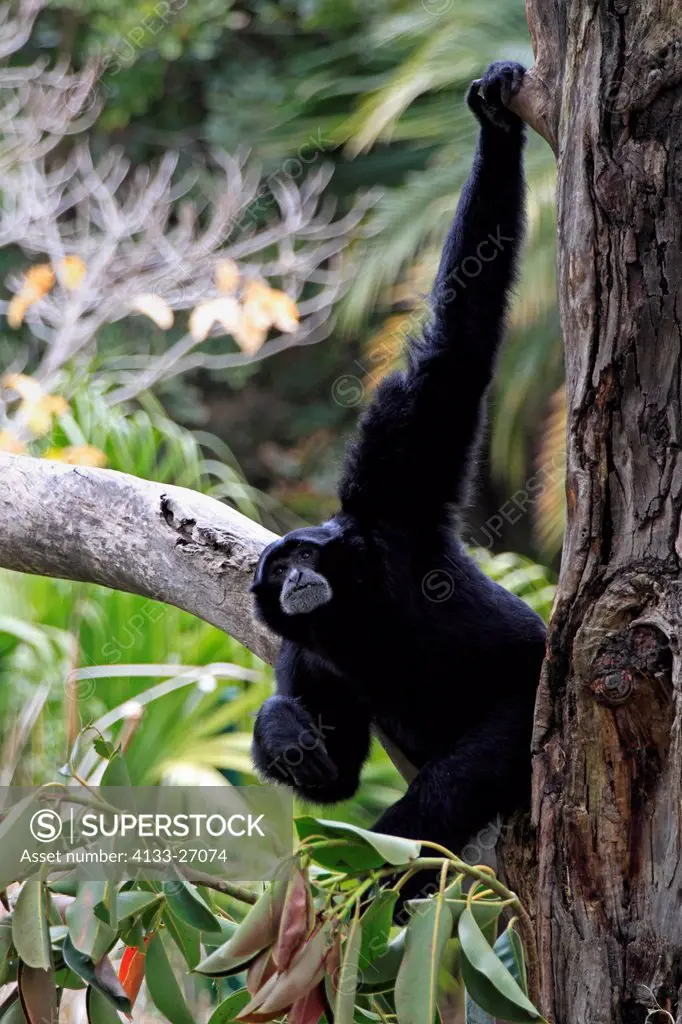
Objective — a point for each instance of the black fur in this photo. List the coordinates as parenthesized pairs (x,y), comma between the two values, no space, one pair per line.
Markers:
(416,638)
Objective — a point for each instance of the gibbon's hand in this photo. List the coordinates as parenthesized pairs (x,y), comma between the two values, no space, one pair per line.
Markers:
(489,97)
(288,747)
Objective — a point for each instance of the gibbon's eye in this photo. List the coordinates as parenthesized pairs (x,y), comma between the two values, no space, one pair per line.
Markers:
(306,554)
(278,570)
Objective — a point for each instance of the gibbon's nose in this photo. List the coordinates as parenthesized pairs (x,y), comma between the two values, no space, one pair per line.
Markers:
(294,576)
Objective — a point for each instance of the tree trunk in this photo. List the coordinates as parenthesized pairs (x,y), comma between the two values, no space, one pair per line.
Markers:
(607,745)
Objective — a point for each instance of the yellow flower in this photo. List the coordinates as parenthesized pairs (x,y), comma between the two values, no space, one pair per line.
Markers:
(226,276)
(37,282)
(77,455)
(9,443)
(226,311)
(36,407)
(268,307)
(156,308)
(72,270)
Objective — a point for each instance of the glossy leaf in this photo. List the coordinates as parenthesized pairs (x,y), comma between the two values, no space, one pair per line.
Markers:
(487,980)
(359,849)
(162,985)
(132,902)
(186,938)
(485,911)
(131,971)
(346,981)
(473,1014)
(296,921)
(260,971)
(283,989)
(13,1013)
(5,947)
(30,931)
(230,1008)
(101,975)
(99,1009)
(309,1008)
(416,987)
(258,930)
(38,994)
(186,903)
(380,975)
(376,926)
(509,949)
(89,934)
(116,772)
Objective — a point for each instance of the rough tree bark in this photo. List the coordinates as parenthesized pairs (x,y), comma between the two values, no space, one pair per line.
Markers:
(603,866)
(607,745)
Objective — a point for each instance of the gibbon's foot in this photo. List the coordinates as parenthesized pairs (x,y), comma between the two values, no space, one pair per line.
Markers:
(489,97)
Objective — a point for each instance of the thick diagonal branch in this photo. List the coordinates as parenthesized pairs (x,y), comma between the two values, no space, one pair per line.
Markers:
(163,542)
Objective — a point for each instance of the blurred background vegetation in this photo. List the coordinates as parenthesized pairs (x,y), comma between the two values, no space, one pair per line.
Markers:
(376,88)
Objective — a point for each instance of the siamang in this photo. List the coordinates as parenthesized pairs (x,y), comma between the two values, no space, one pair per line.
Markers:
(385,618)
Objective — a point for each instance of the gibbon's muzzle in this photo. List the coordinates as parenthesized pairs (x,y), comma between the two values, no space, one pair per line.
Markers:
(303,591)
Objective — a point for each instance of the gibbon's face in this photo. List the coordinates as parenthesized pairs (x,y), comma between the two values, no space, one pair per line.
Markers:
(289,579)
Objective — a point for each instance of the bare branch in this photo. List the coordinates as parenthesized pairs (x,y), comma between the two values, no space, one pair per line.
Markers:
(167,543)
(163,542)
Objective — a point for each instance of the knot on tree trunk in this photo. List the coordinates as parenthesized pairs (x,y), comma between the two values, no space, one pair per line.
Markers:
(629,660)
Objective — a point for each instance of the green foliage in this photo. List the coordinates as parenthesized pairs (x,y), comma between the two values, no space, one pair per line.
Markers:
(322,933)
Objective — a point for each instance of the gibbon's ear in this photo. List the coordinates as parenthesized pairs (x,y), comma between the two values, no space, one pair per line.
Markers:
(303,591)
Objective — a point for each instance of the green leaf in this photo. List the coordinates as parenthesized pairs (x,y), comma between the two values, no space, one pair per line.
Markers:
(485,911)
(187,939)
(487,980)
(230,1008)
(67,978)
(359,850)
(473,1014)
(101,975)
(346,983)
(116,772)
(133,901)
(13,1013)
(5,947)
(162,985)
(376,926)
(258,930)
(30,930)
(103,748)
(185,903)
(380,975)
(89,934)
(416,987)
(99,1009)
(38,994)
(509,949)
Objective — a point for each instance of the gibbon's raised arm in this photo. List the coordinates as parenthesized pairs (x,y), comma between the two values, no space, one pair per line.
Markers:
(410,459)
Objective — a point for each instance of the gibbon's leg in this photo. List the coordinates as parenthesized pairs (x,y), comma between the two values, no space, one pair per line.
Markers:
(486,774)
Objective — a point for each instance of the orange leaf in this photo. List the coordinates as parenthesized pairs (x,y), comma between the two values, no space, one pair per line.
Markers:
(131,970)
